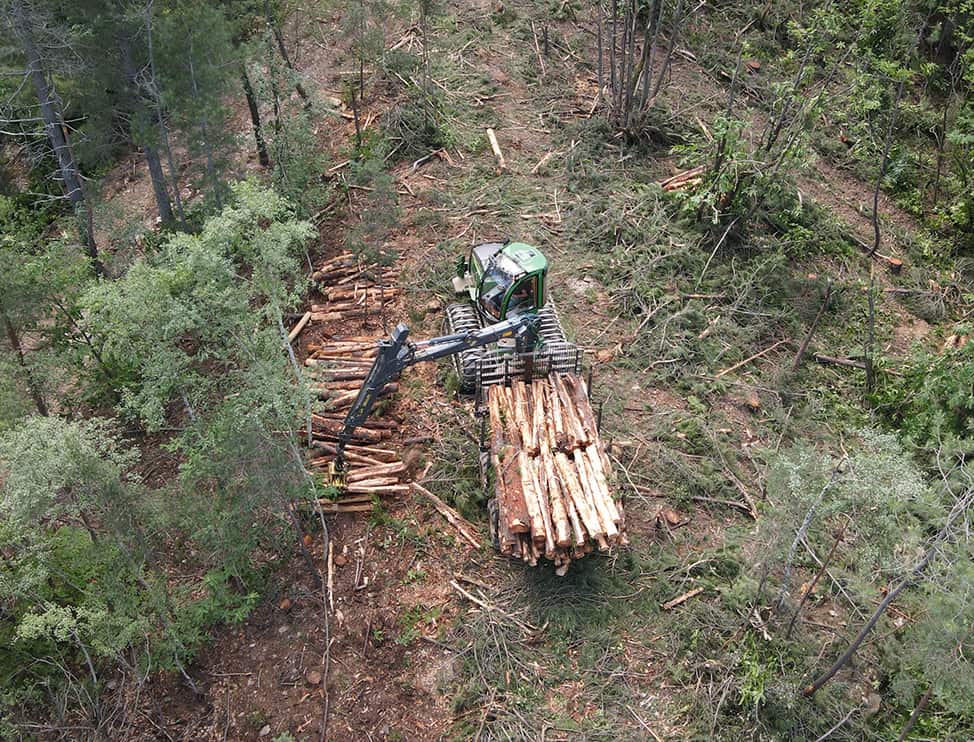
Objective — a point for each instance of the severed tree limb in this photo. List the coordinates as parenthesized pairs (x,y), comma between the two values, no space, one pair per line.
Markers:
(911,722)
(838,725)
(452,516)
(851,362)
(750,358)
(496,148)
(671,604)
(811,330)
(818,576)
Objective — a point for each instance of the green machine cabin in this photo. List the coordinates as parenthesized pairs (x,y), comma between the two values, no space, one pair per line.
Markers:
(503,279)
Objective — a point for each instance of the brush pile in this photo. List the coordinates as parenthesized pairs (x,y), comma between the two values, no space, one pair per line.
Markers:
(551,472)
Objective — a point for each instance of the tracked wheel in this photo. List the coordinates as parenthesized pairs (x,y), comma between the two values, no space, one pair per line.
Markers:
(464,318)
(561,352)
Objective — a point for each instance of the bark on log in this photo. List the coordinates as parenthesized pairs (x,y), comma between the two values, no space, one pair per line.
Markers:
(530,497)
(540,486)
(375,455)
(392,489)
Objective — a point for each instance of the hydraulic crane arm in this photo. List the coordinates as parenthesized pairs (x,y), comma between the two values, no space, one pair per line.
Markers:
(396,354)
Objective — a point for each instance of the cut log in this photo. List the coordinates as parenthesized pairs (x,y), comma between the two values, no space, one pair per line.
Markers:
(595,462)
(539,482)
(595,498)
(496,148)
(323,462)
(377,482)
(539,415)
(377,455)
(557,419)
(574,429)
(391,489)
(559,515)
(514,503)
(531,497)
(510,497)
(583,406)
(578,529)
(570,479)
(292,336)
(327,429)
(522,413)
(337,507)
(381,470)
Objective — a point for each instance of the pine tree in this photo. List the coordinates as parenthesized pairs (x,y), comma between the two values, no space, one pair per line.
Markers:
(194,60)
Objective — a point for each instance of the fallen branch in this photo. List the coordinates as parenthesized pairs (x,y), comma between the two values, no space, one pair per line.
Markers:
(463,527)
(671,604)
(811,330)
(851,362)
(492,138)
(751,358)
(729,503)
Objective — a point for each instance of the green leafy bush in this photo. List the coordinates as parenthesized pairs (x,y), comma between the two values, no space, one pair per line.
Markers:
(933,401)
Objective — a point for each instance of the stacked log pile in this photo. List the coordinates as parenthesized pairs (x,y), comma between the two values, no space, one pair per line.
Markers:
(372,472)
(551,472)
(353,293)
(338,368)
(352,290)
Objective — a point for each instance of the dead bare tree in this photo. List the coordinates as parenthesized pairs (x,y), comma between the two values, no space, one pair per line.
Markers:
(639,61)
(148,82)
(140,109)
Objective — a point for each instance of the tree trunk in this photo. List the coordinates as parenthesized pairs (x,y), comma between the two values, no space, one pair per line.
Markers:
(153,91)
(262,155)
(279,38)
(205,129)
(884,165)
(158,177)
(138,106)
(32,387)
(55,129)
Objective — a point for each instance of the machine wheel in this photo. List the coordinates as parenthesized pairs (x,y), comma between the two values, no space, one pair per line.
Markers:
(464,318)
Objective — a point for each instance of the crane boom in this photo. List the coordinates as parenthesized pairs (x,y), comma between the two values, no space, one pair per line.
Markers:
(396,354)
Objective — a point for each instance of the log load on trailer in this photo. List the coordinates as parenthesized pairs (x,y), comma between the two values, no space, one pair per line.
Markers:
(551,472)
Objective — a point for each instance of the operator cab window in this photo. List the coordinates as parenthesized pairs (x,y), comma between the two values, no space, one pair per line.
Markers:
(523,296)
(493,298)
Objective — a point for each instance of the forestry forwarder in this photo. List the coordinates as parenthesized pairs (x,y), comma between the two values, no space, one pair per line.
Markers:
(507,287)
